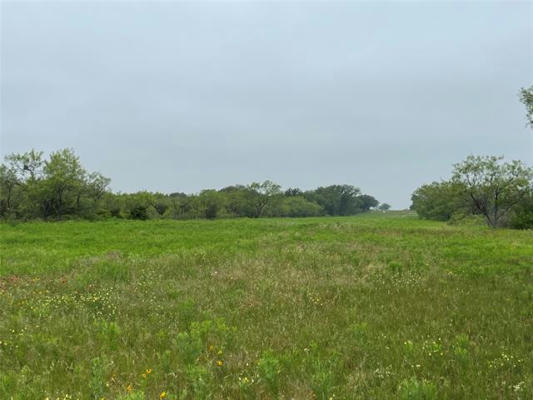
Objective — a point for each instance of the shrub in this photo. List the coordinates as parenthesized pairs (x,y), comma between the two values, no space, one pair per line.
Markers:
(139,212)
(522,218)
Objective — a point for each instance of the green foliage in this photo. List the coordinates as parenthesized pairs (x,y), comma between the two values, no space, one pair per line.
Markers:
(414,389)
(384,207)
(133,395)
(341,200)
(60,188)
(481,185)
(265,198)
(97,382)
(493,188)
(269,369)
(438,201)
(522,216)
(298,206)
(211,203)
(139,212)
(56,188)
(526,97)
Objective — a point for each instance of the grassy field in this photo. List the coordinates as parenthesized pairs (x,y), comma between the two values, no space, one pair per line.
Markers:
(369,307)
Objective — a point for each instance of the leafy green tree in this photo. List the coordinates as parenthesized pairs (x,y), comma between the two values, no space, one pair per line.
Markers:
(366,202)
(60,187)
(384,207)
(19,177)
(212,203)
(293,192)
(493,188)
(240,200)
(26,166)
(340,199)
(522,216)
(266,195)
(8,186)
(139,211)
(63,184)
(139,205)
(438,200)
(96,185)
(114,204)
(526,97)
(54,188)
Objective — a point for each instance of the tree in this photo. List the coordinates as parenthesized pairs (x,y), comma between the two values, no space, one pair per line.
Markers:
(63,184)
(266,194)
(97,185)
(384,207)
(293,192)
(19,178)
(60,187)
(522,216)
(8,184)
(139,205)
(338,199)
(26,165)
(211,202)
(366,202)
(526,97)
(494,188)
(240,201)
(438,200)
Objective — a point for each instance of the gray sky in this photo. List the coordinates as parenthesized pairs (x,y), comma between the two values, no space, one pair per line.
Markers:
(177,96)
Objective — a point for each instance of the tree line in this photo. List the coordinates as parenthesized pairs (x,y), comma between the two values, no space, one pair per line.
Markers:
(59,188)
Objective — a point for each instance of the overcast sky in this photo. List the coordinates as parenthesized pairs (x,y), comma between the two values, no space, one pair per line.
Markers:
(183,96)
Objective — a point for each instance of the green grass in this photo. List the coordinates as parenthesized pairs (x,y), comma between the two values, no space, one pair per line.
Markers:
(370,307)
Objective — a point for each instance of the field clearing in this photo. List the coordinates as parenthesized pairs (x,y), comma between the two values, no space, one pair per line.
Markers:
(371,307)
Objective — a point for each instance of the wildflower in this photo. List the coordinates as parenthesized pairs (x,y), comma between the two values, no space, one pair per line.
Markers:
(220,363)
(163,395)
(148,371)
(211,347)
(518,387)
(128,388)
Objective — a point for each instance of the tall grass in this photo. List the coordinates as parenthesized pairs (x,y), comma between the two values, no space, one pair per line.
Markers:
(361,307)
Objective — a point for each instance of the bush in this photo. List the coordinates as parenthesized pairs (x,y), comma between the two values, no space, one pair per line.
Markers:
(297,206)
(437,201)
(139,212)
(522,218)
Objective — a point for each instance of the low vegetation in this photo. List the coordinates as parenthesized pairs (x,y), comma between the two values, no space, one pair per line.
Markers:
(377,306)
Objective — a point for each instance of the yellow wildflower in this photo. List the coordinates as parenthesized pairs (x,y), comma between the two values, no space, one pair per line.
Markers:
(128,388)
(148,371)
(163,395)
(220,363)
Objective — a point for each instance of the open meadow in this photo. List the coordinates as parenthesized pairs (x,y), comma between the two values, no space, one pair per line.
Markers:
(375,306)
